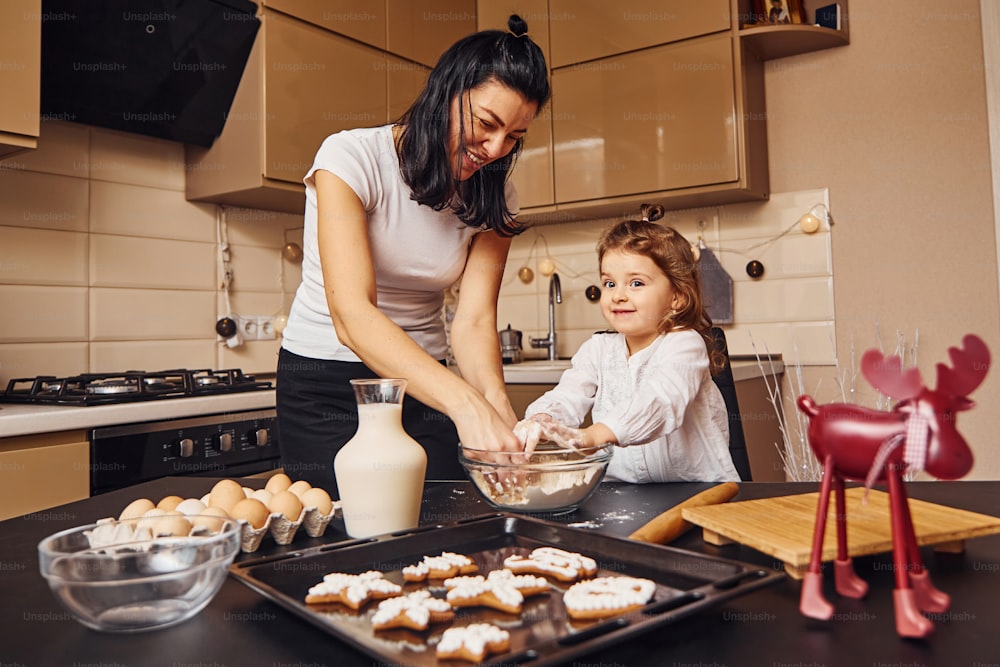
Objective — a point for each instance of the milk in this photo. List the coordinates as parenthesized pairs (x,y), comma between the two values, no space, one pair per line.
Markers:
(380,472)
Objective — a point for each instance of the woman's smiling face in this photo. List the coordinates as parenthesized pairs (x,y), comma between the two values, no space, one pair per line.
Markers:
(635,296)
(493,117)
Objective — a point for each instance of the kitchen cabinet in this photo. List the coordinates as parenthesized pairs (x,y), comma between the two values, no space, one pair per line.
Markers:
(583,30)
(20,75)
(533,170)
(42,471)
(664,119)
(301,84)
(362,20)
(422,31)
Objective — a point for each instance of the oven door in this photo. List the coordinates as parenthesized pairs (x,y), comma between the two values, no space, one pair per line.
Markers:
(223,445)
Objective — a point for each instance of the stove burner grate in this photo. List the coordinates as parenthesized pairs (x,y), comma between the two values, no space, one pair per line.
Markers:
(109,388)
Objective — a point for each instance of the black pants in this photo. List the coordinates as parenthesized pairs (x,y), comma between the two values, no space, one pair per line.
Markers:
(318,414)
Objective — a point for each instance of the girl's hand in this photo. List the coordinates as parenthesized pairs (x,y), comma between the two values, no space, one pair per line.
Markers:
(532,431)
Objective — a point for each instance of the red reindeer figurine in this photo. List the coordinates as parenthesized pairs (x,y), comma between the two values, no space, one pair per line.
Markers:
(856,443)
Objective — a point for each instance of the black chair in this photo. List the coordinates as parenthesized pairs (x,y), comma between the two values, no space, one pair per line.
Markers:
(724,381)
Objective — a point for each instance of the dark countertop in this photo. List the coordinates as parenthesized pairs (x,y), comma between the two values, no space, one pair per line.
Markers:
(240,628)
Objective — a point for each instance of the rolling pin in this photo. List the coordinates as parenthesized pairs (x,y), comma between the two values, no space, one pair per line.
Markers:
(670,525)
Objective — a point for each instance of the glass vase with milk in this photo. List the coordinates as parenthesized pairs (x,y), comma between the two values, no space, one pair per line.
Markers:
(380,471)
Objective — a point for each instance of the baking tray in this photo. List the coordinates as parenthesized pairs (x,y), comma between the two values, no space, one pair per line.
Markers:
(542,634)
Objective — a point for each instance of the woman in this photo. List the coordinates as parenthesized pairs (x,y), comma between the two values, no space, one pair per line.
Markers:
(394,216)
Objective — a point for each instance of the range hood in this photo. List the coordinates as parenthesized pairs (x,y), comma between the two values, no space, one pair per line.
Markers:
(163,68)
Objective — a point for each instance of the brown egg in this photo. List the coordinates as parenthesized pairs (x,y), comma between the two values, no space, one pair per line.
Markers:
(287,503)
(210,518)
(300,487)
(279,482)
(170,503)
(171,524)
(136,509)
(225,494)
(318,498)
(250,510)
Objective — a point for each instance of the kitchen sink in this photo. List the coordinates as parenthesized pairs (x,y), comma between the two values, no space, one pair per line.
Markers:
(535,371)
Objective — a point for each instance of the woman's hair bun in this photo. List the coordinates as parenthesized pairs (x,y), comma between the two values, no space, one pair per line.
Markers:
(517,25)
(651,212)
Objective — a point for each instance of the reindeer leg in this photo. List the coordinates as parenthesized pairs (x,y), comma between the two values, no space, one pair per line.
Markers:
(848,583)
(812,603)
(909,621)
(929,598)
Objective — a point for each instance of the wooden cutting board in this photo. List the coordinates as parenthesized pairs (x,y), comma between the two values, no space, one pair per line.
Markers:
(783,526)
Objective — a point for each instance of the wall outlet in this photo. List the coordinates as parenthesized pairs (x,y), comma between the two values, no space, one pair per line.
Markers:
(256,327)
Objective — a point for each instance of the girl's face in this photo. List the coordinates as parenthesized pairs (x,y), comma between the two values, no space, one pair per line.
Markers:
(635,296)
(493,118)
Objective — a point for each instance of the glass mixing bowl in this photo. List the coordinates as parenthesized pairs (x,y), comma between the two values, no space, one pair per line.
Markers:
(116,576)
(553,480)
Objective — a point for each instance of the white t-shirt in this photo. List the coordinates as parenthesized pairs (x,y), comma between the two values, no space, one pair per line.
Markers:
(661,404)
(417,252)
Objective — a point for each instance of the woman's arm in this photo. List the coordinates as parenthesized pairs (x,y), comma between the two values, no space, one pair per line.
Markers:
(349,278)
(474,339)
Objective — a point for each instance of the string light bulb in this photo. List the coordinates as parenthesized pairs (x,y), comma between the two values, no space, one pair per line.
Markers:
(292,252)
(546,266)
(525,274)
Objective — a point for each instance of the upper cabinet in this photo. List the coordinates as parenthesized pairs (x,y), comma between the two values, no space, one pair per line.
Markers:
(362,20)
(20,74)
(421,31)
(658,101)
(660,119)
(317,68)
(583,30)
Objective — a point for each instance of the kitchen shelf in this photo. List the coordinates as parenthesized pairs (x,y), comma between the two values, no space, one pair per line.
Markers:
(781,41)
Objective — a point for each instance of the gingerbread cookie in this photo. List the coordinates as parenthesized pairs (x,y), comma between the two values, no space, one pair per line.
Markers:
(607,596)
(415,611)
(352,590)
(548,561)
(479,592)
(526,584)
(446,565)
(472,642)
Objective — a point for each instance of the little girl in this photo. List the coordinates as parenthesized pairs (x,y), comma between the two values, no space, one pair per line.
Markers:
(648,383)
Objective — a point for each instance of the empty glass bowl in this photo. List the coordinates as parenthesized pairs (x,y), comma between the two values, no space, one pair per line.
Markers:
(116,576)
(552,480)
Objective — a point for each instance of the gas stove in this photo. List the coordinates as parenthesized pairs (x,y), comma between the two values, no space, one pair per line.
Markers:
(129,386)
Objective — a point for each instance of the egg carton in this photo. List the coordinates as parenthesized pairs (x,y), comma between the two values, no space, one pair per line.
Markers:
(282,529)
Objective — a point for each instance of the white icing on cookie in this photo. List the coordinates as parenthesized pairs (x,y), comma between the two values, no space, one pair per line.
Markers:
(608,594)
(549,560)
(461,589)
(446,562)
(417,606)
(355,588)
(475,639)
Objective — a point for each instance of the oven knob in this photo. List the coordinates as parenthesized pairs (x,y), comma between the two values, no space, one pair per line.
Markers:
(186,448)
(226,442)
(262,437)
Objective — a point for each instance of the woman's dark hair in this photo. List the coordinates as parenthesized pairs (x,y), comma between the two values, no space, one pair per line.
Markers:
(508,58)
(672,253)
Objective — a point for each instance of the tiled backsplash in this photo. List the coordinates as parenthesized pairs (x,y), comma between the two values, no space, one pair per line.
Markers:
(788,310)
(104,265)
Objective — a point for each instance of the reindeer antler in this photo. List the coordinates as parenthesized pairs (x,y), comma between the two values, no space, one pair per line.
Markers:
(970,363)
(886,375)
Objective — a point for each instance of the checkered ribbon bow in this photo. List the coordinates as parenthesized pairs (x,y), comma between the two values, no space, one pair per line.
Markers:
(914,450)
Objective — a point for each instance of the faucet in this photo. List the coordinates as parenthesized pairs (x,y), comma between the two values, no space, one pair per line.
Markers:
(555,296)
